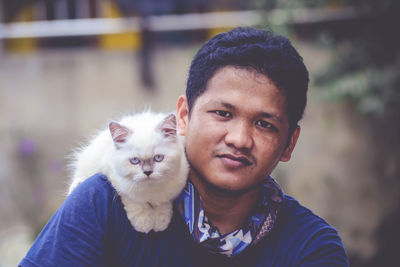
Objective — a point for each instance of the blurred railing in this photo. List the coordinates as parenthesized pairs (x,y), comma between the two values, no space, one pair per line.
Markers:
(95,26)
(88,19)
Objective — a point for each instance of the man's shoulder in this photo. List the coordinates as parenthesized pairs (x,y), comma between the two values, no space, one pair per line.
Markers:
(299,221)
(293,210)
(95,196)
(75,233)
(97,182)
(308,235)
(96,186)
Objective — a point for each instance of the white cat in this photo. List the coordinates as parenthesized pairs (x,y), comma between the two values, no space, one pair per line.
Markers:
(143,158)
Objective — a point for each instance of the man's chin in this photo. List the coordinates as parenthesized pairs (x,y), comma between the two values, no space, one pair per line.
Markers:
(229,187)
(224,184)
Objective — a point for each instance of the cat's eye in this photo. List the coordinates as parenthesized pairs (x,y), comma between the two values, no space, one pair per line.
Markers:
(134,161)
(158,158)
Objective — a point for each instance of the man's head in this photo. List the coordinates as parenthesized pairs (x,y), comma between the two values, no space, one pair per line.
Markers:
(266,53)
(246,92)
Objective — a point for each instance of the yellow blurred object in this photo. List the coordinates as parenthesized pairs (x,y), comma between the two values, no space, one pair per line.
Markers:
(335,4)
(22,45)
(214,31)
(118,41)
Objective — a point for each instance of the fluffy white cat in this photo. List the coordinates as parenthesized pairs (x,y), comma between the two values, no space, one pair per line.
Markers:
(143,158)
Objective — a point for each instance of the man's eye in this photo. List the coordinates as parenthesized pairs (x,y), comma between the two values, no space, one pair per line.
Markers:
(222,113)
(265,124)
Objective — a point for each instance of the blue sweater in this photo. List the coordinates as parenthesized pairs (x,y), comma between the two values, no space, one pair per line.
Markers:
(91,229)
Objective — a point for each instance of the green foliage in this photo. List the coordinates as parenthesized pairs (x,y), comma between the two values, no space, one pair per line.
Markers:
(366,65)
(374,91)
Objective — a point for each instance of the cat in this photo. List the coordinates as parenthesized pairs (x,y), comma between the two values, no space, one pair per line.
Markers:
(143,157)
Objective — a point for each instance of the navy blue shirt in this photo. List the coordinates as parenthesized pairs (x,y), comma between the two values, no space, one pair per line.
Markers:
(91,229)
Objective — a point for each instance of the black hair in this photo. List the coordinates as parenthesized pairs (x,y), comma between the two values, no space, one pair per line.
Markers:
(267,53)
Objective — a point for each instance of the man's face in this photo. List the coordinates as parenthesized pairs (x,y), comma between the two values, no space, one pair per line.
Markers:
(237,131)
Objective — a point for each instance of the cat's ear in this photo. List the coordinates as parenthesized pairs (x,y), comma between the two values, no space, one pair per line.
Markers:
(168,125)
(119,133)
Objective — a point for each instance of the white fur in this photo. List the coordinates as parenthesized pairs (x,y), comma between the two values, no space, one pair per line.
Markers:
(147,199)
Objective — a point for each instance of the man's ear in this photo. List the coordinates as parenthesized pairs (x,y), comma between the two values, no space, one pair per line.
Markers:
(182,115)
(287,153)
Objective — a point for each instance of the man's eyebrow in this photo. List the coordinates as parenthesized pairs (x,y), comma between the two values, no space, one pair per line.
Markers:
(229,106)
(269,115)
(222,103)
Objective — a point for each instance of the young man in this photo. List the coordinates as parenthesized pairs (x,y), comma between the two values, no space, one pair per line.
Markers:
(245,94)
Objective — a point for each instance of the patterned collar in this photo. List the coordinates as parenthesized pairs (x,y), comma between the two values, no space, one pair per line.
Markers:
(258,226)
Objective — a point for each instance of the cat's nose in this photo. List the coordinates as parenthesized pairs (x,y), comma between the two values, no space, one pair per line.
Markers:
(148,172)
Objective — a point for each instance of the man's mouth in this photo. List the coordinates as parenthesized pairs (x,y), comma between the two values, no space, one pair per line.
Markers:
(233,161)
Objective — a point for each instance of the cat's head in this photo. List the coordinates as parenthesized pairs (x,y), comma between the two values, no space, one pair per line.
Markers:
(147,149)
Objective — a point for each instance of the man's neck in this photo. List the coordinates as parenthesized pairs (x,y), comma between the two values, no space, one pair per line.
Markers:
(226,210)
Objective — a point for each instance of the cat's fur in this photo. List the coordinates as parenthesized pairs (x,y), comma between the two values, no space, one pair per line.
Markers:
(144,159)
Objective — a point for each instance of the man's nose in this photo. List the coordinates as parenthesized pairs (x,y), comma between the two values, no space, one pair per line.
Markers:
(239,135)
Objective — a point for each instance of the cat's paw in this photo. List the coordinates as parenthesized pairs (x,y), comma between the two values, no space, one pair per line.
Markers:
(142,223)
(163,216)
(161,224)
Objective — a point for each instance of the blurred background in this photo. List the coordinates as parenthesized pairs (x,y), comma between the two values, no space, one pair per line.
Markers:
(67,67)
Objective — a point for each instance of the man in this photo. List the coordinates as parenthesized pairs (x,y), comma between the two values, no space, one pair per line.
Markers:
(245,94)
